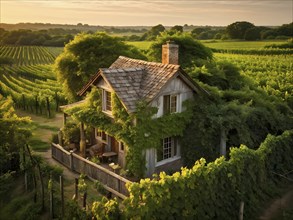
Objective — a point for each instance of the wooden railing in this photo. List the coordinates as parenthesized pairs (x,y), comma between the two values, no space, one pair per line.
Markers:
(111,181)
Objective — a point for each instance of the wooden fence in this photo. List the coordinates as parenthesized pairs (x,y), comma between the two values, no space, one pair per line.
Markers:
(111,181)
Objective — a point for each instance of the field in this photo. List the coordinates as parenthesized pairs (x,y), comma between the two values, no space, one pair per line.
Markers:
(143,45)
(216,44)
(273,73)
(30,79)
(245,45)
(30,55)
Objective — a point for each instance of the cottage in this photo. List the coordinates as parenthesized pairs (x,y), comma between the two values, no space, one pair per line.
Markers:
(162,86)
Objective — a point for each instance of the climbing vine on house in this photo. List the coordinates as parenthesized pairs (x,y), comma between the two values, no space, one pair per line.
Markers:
(139,131)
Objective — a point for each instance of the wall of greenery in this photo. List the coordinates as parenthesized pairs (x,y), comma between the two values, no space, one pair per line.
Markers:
(209,191)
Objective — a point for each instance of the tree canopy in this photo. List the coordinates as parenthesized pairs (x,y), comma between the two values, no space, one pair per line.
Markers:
(176,28)
(84,55)
(153,32)
(52,37)
(190,50)
(237,29)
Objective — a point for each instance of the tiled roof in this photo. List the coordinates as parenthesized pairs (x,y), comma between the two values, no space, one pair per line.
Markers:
(155,77)
(133,80)
(126,83)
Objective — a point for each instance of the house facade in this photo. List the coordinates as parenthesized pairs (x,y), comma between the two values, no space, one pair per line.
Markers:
(164,87)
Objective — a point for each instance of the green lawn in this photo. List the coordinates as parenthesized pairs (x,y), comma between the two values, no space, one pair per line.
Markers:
(143,45)
(217,44)
(42,129)
(239,44)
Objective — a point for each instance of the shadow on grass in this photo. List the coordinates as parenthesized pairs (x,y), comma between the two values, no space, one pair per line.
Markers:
(39,145)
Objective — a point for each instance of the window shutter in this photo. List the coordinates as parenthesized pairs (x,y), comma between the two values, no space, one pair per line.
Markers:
(166,104)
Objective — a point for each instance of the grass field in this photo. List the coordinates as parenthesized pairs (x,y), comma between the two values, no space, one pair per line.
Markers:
(143,45)
(245,45)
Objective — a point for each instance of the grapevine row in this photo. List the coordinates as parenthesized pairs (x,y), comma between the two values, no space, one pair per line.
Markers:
(274,74)
(30,88)
(29,55)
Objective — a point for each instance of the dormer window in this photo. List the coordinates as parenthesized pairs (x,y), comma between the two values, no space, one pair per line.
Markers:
(170,104)
(107,101)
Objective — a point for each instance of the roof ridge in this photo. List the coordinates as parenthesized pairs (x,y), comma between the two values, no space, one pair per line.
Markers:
(131,69)
(150,62)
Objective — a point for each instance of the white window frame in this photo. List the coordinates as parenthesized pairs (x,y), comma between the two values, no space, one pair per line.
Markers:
(173,157)
(104,101)
(177,96)
(121,146)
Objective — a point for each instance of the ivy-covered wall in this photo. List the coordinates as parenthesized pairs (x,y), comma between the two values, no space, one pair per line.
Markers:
(131,128)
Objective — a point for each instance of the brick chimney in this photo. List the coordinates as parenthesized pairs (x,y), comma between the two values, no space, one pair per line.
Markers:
(170,53)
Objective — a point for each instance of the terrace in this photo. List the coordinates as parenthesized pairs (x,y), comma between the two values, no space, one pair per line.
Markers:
(106,173)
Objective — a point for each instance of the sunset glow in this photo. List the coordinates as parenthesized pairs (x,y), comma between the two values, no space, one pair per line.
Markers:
(152,12)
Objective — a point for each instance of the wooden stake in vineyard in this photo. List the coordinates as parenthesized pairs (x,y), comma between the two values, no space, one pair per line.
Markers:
(62,195)
(50,187)
(48,107)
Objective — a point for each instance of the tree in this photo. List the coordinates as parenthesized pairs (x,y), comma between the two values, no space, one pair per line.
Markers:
(237,29)
(84,55)
(153,32)
(190,50)
(176,28)
(199,30)
(252,34)
(285,30)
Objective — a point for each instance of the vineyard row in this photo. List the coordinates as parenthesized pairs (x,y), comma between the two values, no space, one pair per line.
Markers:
(29,55)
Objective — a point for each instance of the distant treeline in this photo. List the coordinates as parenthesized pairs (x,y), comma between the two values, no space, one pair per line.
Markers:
(242,30)
(52,37)
(58,36)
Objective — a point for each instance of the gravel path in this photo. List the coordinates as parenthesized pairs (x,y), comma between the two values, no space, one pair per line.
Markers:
(278,205)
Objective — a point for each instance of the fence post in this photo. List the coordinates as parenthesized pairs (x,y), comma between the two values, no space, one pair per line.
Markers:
(62,195)
(51,198)
(76,190)
(60,137)
(241,210)
(71,160)
(52,150)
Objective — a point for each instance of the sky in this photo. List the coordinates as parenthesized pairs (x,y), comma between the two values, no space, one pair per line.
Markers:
(147,12)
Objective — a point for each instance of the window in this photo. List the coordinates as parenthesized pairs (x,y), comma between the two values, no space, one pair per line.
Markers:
(170,104)
(168,150)
(121,145)
(107,101)
(101,135)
